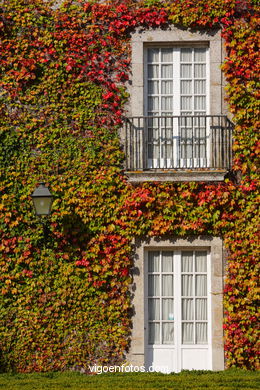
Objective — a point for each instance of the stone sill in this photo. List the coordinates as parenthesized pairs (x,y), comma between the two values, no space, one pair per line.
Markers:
(176,175)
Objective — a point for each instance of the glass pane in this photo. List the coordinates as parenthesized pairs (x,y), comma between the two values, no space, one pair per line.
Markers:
(186,122)
(186,135)
(153,71)
(166,71)
(167,87)
(201,261)
(184,152)
(153,285)
(201,285)
(169,136)
(153,152)
(200,103)
(167,121)
(163,154)
(200,87)
(187,285)
(167,103)
(167,262)
(199,70)
(187,333)
(186,55)
(153,103)
(167,309)
(154,333)
(153,55)
(153,87)
(166,55)
(187,309)
(153,134)
(153,261)
(200,54)
(154,309)
(167,285)
(186,87)
(199,121)
(186,71)
(201,133)
(153,122)
(201,333)
(187,262)
(168,333)
(201,309)
(200,151)
(186,102)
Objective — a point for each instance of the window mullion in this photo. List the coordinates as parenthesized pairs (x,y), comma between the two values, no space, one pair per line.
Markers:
(193,81)
(194,300)
(160,106)
(160,270)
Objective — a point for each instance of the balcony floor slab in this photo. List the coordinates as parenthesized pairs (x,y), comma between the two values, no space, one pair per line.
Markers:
(176,175)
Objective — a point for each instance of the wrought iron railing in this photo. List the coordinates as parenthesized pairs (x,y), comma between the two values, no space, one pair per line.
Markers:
(178,142)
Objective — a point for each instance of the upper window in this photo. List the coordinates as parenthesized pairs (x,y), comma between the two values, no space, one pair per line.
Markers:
(176,128)
(176,86)
(176,81)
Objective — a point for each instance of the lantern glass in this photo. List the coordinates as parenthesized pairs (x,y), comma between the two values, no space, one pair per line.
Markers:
(42,205)
(42,200)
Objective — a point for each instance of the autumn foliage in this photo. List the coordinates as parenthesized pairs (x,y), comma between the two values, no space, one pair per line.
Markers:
(64,301)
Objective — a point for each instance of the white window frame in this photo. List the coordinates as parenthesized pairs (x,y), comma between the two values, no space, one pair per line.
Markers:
(177,277)
(215,331)
(216,105)
(176,110)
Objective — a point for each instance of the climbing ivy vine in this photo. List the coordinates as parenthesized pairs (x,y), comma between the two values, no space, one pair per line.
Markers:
(65,301)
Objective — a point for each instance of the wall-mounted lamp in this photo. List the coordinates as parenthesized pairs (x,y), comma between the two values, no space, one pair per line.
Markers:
(42,200)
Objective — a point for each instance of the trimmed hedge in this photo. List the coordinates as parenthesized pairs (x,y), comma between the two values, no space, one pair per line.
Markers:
(196,380)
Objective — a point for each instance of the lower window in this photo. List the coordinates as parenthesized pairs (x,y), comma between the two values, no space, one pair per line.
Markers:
(177,308)
(178,304)
(177,293)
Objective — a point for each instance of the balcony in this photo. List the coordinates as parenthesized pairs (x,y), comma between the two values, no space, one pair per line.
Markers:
(178,148)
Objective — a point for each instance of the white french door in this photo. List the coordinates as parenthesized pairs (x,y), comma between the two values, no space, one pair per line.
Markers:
(177,311)
(177,85)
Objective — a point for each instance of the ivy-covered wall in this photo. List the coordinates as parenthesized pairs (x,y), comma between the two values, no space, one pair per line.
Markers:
(64,301)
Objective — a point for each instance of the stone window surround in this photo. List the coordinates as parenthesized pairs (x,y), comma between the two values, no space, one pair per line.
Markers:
(136,355)
(177,37)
